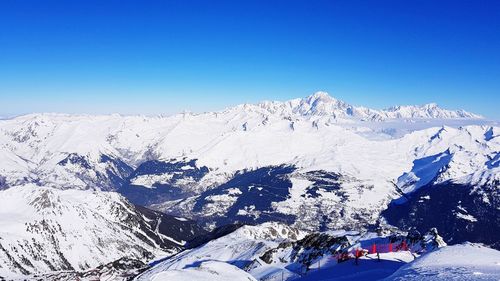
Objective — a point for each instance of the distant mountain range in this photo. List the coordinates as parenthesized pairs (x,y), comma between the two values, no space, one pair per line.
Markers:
(314,164)
(322,104)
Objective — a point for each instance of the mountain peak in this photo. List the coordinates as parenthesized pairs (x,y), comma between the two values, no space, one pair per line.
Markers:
(429,110)
(430,105)
(320,96)
(322,104)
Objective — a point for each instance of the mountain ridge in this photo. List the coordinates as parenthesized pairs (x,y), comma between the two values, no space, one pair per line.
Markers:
(319,103)
(316,164)
(46,229)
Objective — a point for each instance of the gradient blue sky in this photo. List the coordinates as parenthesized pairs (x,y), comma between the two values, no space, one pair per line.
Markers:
(154,57)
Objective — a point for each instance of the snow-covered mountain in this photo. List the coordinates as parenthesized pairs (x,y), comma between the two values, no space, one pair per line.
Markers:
(155,160)
(238,248)
(273,251)
(112,152)
(322,104)
(304,259)
(315,163)
(45,229)
(123,269)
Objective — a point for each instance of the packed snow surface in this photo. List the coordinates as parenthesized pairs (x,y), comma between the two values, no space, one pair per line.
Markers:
(206,271)
(458,262)
(368,268)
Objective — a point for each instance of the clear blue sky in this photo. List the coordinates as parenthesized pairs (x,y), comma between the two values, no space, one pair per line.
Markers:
(166,56)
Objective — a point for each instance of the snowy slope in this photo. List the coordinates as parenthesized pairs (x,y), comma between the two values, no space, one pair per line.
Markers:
(205,270)
(259,162)
(100,152)
(317,255)
(44,229)
(458,262)
(345,183)
(273,251)
(239,248)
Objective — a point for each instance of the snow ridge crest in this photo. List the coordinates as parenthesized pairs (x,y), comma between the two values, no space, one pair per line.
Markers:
(322,104)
